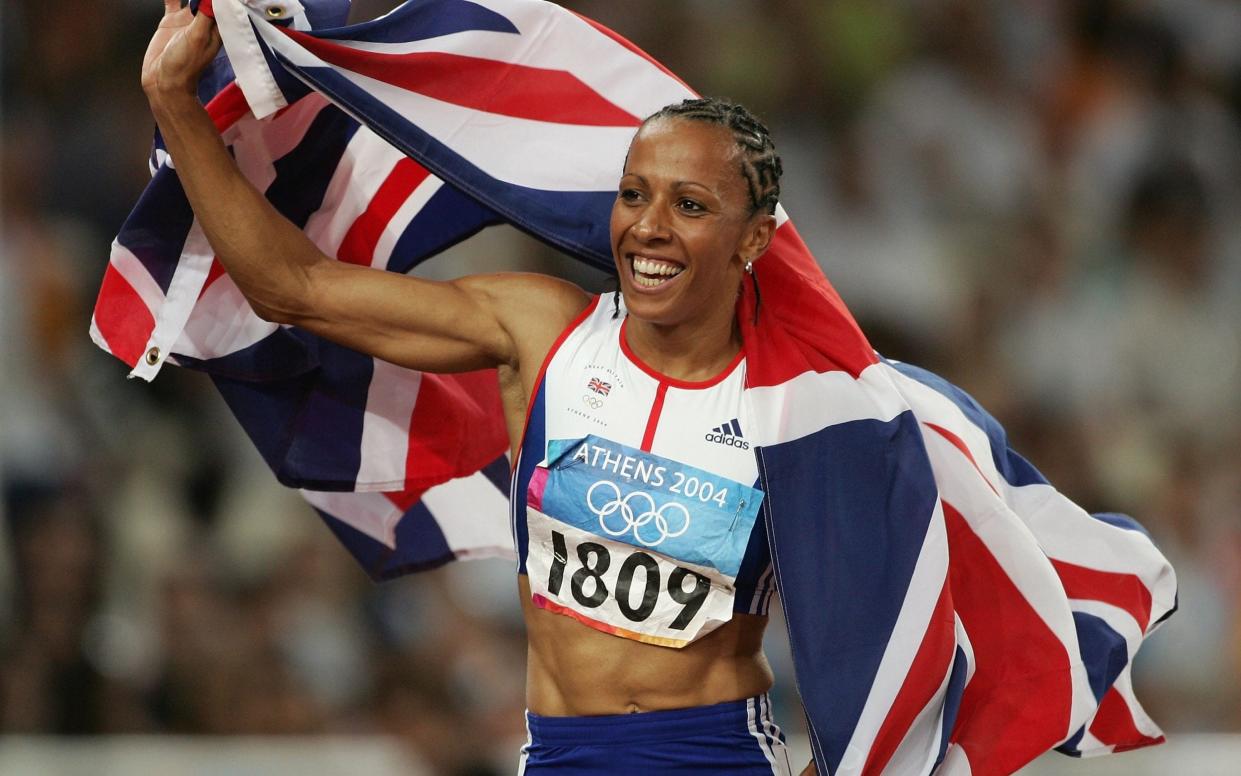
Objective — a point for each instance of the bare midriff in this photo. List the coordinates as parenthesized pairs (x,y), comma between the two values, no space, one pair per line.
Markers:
(574,670)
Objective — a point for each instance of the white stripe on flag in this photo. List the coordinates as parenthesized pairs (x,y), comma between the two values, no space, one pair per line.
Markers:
(409,210)
(160,157)
(918,750)
(931,406)
(796,408)
(1067,532)
(1115,618)
(222,322)
(967,647)
(371,513)
(246,57)
(390,400)
(365,164)
(926,584)
(135,273)
(1089,746)
(97,337)
(183,292)
(473,516)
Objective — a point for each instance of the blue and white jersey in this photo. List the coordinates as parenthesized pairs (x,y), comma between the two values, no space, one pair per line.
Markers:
(635,503)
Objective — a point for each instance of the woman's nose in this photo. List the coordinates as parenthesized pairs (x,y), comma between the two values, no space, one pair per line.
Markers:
(651,225)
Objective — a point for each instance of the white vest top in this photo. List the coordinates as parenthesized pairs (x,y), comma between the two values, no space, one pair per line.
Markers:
(635,501)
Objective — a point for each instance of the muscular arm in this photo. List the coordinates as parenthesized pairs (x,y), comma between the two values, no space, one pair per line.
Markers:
(470,323)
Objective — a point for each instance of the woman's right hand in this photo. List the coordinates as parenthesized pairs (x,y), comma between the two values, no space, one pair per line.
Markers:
(182,46)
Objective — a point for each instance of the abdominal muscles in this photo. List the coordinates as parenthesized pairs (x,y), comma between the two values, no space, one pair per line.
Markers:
(575,670)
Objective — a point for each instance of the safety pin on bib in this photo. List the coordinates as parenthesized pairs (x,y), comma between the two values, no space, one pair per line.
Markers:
(737,515)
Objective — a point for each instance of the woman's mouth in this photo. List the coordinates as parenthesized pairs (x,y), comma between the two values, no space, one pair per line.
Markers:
(652,273)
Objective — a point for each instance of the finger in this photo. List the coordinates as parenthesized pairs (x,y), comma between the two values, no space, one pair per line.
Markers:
(216,41)
(202,26)
(171,7)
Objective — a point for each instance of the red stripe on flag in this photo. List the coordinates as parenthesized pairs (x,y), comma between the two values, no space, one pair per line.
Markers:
(481,84)
(358,246)
(959,443)
(123,318)
(457,427)
(926,674)
(1016,705)
(1125,591)
(810,330)
(227,107)
(1113,725)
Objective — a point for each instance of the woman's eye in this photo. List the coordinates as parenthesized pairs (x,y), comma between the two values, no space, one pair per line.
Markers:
(629,195)
(690,206)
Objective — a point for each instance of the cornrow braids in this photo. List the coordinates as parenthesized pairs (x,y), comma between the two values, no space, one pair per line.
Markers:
(760,164)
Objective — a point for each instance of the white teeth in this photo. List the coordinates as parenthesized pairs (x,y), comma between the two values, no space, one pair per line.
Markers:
(650,267)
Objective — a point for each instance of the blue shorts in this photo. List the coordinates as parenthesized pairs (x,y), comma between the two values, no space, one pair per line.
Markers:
(736,738)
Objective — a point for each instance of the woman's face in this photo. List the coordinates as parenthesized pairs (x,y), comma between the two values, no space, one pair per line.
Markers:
(681,225)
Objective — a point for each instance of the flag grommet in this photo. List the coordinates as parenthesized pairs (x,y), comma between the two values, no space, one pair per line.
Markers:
(153,356)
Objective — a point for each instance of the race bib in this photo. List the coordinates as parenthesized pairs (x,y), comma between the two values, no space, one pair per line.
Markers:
(635,544)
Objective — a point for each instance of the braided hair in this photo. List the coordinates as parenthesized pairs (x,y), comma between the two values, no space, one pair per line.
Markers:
(760,164)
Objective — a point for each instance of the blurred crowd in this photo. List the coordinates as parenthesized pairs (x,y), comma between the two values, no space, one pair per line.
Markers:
(1037,199)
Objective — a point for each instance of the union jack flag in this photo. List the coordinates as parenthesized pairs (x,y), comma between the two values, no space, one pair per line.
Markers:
(598,386)
(948,609)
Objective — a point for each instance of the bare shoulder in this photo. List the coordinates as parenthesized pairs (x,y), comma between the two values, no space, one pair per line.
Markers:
(532,310)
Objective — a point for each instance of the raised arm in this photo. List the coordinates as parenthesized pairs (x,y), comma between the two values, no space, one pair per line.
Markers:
(466,324)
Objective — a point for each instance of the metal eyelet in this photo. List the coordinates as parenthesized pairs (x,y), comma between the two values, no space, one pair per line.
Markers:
(153,356)
(275,12)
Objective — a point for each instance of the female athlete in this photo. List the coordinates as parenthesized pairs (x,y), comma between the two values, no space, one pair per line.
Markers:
(644,568)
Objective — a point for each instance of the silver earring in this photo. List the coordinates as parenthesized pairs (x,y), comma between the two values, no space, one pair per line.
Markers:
(749,268)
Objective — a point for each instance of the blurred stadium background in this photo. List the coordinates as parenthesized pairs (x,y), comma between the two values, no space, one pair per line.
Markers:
(1038,199)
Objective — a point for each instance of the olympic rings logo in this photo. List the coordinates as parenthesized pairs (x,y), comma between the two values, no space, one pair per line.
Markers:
(594,402)
(634,520)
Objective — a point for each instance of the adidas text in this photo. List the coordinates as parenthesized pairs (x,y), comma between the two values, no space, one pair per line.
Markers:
(728,439)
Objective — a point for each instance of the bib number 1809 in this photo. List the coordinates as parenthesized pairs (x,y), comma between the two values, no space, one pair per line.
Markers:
(589,589)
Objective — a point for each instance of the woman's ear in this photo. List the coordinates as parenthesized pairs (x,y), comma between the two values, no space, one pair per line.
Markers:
(758,237)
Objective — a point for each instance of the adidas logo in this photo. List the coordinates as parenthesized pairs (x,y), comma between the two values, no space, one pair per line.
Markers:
(728,434)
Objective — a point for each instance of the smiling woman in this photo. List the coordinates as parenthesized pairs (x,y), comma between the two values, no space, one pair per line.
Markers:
(632,519)
(656,520)
(644,568)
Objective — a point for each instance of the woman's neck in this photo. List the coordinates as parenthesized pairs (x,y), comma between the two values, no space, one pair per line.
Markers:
(685,351)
